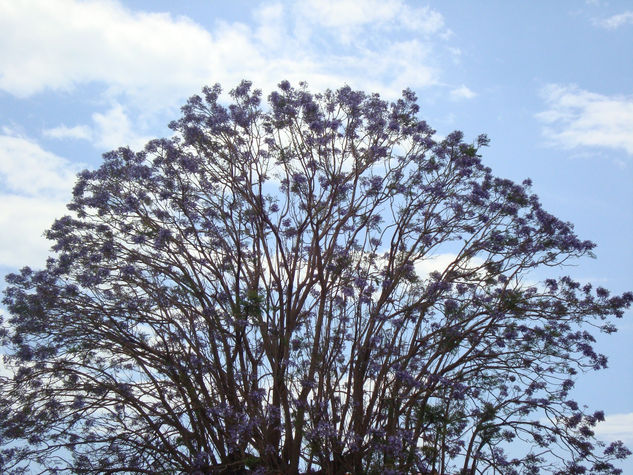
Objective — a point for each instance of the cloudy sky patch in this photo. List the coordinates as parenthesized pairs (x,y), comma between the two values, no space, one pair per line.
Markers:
(577,118)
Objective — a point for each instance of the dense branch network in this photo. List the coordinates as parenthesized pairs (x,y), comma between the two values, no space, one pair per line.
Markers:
(315,285)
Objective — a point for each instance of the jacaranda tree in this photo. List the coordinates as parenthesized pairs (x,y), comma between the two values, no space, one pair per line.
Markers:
(316,284)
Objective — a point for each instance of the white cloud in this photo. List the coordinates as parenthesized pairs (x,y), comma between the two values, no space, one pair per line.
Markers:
(462,92)
(269,31)
(64,132)
(36,185)
(23,220)
(110,130)
(349,17)
(616,427)
(579,118)
(149,56)
(441,262)
(59,44)
(27,169)
(113,129)
(615,21)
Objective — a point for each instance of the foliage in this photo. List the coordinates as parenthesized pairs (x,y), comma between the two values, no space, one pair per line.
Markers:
(317,284)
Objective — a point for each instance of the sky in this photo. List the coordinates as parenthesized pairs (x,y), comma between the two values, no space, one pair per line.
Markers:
(551,83)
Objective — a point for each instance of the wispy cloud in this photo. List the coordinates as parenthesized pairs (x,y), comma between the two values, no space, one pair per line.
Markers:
(616,427)
(114,129)
(578,118)
(349,17)
(62,132)
(109,130)
(616,21)
(462,92)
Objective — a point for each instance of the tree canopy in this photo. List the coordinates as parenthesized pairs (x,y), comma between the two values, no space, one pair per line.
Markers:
(318,283)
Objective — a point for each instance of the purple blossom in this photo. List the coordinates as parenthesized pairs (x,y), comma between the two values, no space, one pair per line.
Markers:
(162,238)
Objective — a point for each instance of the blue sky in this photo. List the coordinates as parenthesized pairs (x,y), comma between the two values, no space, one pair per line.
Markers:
(551,83)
